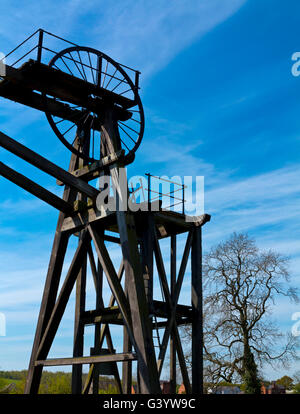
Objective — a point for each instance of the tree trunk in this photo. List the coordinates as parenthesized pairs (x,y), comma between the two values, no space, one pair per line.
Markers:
(251,382)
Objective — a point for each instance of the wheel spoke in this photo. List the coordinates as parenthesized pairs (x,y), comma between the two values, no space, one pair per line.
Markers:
(92,69)
(129,127)
(67,66)
(68,130)
(58,122)
(124,144)
(135,120)
(122,93)
(112,77)
(127,134)
(105,73)
(82,66)
(72,58)
(118,84)
(98,69)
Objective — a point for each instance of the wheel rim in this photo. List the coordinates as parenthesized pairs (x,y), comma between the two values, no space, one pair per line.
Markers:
(95,67)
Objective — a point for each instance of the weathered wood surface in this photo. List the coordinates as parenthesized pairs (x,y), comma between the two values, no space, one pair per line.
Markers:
(35,189)
(58,253)
(86,360)
(47,166)
(62,85)
(197,306)
(63,298)
(166,222)
(173,254)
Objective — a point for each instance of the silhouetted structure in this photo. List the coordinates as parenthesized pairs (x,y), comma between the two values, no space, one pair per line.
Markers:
(93,106)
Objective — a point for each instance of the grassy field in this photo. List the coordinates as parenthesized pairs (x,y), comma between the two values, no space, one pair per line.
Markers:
(4,382)
(51,383)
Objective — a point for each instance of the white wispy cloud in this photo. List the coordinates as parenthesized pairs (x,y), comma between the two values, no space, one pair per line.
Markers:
(270,198)
(274,185)
(151,34)
(147,34)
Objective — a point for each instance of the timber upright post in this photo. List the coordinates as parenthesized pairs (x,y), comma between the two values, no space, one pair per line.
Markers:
(197,312)
(93,106)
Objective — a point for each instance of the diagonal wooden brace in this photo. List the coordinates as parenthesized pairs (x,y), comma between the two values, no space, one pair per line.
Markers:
(47,166)
(35,189)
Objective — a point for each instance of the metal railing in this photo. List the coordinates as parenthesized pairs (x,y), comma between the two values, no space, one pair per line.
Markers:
(159,195)
(152,192)
(42,45)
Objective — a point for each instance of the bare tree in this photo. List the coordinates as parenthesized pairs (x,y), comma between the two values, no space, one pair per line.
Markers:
(240,285)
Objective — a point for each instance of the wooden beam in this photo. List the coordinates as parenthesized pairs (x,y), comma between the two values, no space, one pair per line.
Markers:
(105,331)
(127,347)
(113,315)
(149,380)
(58,252)
(147,256)
(197,325)
(161,309)
(111,239)
(161,271)
(78,344)
(86,360)
(80,300)
(46,165)
(173,256)
(108,311)
(179,322)
(172,322)
(91,215)
(181,359)
(60,84)
(19,93)
(182,269)
(112,278)
(93,171)
(175,297)
(141,326)
(182,220)
(35,189)
(97,273)
(105,327)
(62,300)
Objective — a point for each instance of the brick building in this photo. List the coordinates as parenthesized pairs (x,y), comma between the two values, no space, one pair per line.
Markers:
(273,388)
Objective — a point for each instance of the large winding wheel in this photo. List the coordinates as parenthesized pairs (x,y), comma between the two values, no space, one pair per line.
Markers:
(102,84)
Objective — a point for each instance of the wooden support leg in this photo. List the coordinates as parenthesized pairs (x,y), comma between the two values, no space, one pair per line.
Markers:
(99,304)
(79,327)
(138,303)
(78,346)
(50,292)
(147,258)
(99,333)
(172,288)
(58,253)
(127,347)
(105,331)
(197,324)
(47,305)
(141,323)
(127,366)
(63,298)
(171,326)
(46,335)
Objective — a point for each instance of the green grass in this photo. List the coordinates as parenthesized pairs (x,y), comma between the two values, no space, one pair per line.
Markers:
(6,381)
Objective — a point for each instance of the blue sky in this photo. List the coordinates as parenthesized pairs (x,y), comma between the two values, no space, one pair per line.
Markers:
(220,101)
